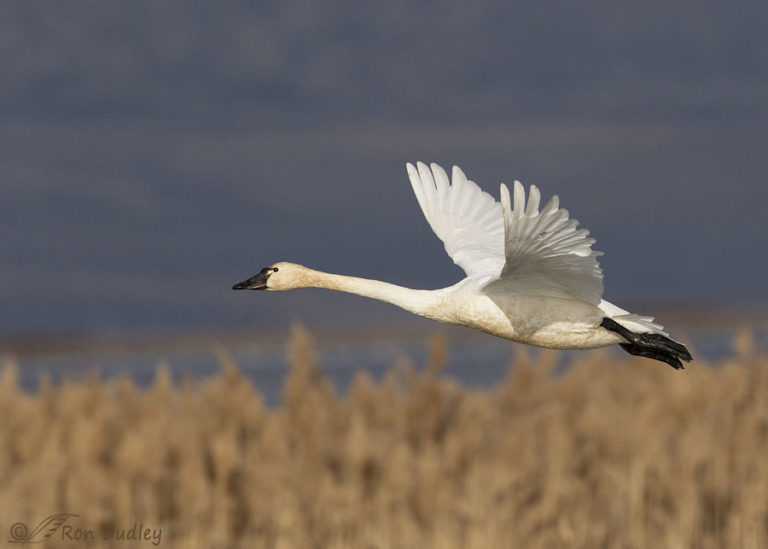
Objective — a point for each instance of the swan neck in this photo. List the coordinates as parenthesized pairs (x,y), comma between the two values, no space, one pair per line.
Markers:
(416,301)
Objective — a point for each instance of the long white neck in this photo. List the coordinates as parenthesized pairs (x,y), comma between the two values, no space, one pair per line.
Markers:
(419,302)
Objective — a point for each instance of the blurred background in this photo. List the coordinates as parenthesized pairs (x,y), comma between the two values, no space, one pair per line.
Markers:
(153,154)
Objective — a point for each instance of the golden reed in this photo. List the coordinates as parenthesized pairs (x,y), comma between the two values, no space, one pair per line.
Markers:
(616,452)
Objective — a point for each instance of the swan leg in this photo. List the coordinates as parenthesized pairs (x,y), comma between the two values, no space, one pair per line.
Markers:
(655,346)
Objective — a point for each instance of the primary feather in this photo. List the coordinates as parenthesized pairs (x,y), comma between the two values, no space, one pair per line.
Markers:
(467,219)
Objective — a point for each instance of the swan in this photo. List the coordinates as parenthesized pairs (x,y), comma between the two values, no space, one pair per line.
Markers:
(532,276)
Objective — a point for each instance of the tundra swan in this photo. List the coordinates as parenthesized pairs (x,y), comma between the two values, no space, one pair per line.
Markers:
(532,276)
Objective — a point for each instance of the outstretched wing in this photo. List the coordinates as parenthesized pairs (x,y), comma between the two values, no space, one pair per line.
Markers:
(546,253)
(468,220)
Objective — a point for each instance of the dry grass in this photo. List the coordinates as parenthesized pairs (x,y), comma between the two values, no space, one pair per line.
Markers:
(614,453)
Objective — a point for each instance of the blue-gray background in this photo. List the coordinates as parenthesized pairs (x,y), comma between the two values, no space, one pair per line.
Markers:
(154,153)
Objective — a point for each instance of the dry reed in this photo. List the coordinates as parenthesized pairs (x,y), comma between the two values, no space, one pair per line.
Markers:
(615,452)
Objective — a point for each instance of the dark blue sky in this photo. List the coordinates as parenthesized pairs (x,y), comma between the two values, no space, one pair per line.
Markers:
(154,153)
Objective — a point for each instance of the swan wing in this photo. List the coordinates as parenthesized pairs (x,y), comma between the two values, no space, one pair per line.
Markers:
(468,220)
(546,253)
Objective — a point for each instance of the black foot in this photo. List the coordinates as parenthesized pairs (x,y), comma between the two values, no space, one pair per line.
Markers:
(655,346)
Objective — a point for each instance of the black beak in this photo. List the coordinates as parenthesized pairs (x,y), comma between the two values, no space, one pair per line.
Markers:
(256,282)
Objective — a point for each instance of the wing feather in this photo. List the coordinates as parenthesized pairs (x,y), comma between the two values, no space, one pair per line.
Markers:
(546,253)
(526,250)
(468,220)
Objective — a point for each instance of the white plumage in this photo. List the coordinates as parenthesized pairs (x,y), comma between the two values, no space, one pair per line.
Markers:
(513,247)
(532,275)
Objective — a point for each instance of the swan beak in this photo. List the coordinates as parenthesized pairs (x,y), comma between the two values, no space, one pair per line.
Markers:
(256,282)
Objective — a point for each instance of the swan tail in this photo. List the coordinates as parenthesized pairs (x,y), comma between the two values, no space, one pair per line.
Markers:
(640,324)
(656,346)
(633,322)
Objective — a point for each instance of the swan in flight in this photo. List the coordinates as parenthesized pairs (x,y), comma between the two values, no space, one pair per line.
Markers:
(532,276)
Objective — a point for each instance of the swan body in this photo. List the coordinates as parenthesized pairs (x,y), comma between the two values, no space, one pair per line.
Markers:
(532,276)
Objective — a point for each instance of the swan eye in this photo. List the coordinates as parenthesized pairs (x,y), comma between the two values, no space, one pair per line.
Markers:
(275,269)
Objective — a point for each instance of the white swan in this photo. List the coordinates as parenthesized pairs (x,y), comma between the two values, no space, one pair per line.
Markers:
(532,276)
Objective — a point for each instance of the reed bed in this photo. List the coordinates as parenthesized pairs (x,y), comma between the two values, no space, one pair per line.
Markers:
(613,452)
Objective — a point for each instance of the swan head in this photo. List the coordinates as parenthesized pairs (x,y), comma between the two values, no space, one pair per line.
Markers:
(278,277)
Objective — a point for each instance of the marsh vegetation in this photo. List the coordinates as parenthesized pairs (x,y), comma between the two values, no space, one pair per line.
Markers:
(612,452)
